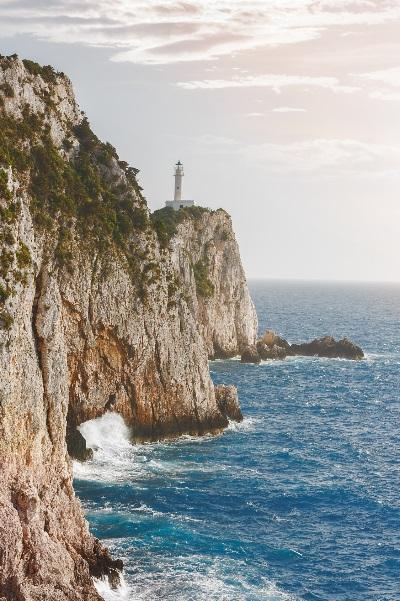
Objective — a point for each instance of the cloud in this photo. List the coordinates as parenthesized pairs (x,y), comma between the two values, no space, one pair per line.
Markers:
(176,8)
(383,95)
(288,109)
(275,82)
(316,157)
(390,78)
(151,32)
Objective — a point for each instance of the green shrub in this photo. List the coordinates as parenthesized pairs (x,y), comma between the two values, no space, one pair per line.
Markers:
(67,144)
(23,256)
(47,73)
(4,293)
(4,191)
(7,90)
(166,220)
(6,262)
(7,237)
(6,320)
(204,286)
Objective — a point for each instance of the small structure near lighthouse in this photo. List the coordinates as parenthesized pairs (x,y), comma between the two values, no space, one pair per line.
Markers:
(178,203)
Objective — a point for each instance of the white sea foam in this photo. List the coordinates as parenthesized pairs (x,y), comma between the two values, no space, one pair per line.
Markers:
(382,357)
(248,424)
(106,432)
(122,593)
(114,455)
(189,579)
(116,459)
(235,358)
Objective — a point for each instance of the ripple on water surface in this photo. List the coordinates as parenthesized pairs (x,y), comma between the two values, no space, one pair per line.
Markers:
(298,502)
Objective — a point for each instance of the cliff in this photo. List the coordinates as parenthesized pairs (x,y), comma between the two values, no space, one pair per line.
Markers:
(101,308)
(206,256)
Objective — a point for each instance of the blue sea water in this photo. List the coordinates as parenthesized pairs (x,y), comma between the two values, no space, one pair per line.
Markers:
(300,501)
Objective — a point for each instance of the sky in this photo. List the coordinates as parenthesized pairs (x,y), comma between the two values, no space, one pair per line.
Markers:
(284,112)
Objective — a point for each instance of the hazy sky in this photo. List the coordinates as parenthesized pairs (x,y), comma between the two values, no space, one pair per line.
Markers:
(284,112)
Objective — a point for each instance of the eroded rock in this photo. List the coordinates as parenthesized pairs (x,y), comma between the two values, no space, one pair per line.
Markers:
(272,346)
(250,355)
(228,402)
(329,347)
(76,445)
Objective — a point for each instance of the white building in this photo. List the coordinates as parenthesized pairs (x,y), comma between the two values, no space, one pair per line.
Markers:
(178,203)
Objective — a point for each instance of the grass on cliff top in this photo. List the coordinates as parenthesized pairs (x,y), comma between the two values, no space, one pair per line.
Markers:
(165,221)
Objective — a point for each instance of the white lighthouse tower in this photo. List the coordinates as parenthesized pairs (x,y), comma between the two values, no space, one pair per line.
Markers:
(178,181)
(178,203)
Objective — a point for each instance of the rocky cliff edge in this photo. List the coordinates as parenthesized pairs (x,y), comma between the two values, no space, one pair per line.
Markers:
(102,307)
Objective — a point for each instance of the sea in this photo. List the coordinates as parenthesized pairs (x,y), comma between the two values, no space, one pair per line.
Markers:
(301,501)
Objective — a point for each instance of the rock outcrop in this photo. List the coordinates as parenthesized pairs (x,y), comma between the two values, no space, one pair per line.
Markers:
(228,402)
(99,310)
(272,346)
(329,347)
(250,354)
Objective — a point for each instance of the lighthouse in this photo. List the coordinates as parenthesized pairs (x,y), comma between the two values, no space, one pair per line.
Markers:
(178,181)
(178,203)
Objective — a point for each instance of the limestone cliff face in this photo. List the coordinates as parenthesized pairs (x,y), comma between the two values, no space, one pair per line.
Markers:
(96,314)
(206,254)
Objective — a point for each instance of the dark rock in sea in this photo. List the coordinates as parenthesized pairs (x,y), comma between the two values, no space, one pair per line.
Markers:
(104,566)
(271,339)
(328,347)
(228,402)
(250,355)
(272,346)
(271,352)
(76,445)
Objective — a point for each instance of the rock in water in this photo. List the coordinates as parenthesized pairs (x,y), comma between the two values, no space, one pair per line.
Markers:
(76,445)
(271,352)
(329,347)
(228,402)
(271,338)
(272,346)
(250,355)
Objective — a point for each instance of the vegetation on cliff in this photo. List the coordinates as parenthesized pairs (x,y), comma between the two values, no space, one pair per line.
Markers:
(165,221)
(204,285)
(79,191)
(84,186)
